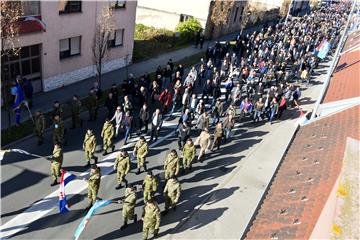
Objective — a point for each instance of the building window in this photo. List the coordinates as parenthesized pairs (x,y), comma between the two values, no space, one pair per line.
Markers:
(241,12)
(184,17)
(116,39)
(70,47)
(69,7)
(118,4)
(236,12)
(25,64)
(31,8)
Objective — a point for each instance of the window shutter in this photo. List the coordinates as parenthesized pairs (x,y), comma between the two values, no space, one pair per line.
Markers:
(75,46)
(64,45)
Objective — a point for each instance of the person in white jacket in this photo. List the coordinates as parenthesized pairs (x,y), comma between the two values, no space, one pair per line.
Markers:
(118,117)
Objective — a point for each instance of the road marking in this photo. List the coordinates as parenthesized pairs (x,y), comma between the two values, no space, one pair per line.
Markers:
(47,204)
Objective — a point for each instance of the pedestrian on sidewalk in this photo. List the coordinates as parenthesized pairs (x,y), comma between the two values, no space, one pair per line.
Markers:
(165,99)
(56,162)
(171,194)
(189,153)
(282,106)
(141,150)
(144,117)
(274,108)
(57,110)
(218,136)
(229,124)
(151,219)
(75,112)
(218,111)
(156,124)
(107,134)
(58,130)
(110,104)
(150,185)
(128,121)
(204,141)
(119,118)
(89,146)
(92,105)
(122,166)
(183,134)
(93,184)
(171,165)
(128,208)
(39,126)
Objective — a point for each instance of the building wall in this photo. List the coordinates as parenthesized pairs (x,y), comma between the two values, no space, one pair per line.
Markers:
(56,72)
(166,14)
(233,23)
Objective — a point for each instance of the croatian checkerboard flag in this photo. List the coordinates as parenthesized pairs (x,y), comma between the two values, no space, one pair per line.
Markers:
(65,179)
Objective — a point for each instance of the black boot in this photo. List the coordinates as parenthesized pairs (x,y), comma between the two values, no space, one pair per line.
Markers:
(135,218)
(145,167)
(124,226)
(113,148)
(126,183)
(95,159)
(89,206)
(104,153)
(165,212)
(87,164)
(54,183)
(138,171)
(174,208)
(118,187)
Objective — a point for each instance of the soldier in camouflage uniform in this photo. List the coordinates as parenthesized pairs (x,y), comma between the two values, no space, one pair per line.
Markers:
(189,152)
(75,112)
(128,209)
(107,134)
(151,219)
(122,167)
(150,186)
(39,126)
(56,162)
(141,150)
(172,194)
(92,105)
(57,110)
(89,147)
(58,130)
(93,184)
(171,165)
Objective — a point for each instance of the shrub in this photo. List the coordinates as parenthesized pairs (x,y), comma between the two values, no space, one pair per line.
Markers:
(188,28)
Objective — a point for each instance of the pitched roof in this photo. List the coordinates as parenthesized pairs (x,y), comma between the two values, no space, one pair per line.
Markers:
(305,178)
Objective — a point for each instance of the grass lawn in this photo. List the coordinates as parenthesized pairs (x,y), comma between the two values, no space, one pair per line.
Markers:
(150,42)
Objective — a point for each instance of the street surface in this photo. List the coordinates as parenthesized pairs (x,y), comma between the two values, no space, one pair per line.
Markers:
(29,204)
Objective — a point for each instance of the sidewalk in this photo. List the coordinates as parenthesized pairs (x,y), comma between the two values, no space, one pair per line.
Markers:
(44,101)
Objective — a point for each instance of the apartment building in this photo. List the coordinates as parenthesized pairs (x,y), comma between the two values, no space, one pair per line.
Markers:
(167,14)
(57,50)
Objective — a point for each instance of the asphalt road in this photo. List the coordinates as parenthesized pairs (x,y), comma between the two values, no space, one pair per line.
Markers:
(25,181)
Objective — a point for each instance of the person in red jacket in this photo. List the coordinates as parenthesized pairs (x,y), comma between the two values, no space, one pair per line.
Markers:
(165,99)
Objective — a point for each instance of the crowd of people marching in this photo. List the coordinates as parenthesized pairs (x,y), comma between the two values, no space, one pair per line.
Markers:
(254,77)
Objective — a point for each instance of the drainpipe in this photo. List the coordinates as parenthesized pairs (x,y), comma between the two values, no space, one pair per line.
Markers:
(333,64)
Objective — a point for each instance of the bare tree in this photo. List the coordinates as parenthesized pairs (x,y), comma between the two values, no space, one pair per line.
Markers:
(104,30)
(11,11)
